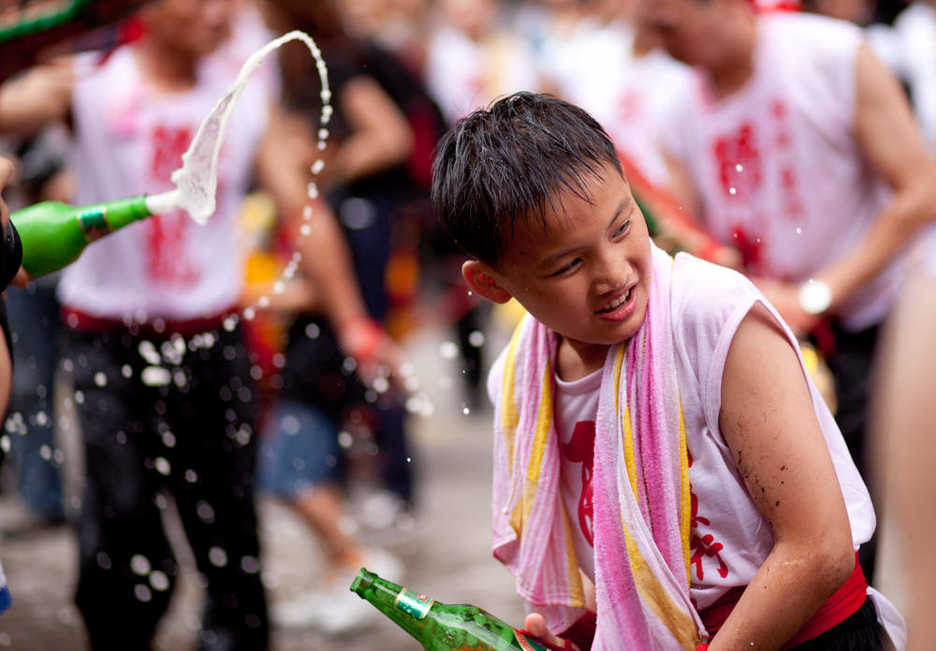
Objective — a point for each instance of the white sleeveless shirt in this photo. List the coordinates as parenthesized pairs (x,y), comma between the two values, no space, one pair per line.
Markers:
(776,164)
(729,538)
(128,141)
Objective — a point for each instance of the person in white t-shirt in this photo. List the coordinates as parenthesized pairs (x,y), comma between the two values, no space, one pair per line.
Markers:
(796,145)
(164,384)
(773,509)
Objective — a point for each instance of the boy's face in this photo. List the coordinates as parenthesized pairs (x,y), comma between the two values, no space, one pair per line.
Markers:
(586,275)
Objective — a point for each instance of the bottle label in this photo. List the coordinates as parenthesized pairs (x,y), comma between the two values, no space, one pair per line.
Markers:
(414,605)
(527,642)
(94,224)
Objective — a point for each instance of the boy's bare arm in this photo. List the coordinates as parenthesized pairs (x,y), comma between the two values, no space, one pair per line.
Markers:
(36,98)
(767,420)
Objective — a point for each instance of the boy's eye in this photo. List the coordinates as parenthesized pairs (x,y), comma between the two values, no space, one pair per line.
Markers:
(623,228)
(566,268)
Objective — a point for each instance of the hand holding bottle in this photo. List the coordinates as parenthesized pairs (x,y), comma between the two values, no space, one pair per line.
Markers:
(11,269)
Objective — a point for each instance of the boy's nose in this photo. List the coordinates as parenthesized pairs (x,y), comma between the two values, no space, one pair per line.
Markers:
(612,272)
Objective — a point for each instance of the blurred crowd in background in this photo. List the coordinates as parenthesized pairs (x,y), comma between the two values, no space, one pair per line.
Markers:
(402,72)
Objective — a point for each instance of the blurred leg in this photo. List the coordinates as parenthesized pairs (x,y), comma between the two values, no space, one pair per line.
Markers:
(212,478)
(126,566)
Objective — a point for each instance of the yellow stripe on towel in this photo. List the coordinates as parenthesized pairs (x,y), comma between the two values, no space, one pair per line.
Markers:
(509,416)
(685,512)
(654,595)
(540,440)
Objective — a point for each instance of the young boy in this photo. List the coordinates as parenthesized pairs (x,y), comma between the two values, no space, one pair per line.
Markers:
(654,427)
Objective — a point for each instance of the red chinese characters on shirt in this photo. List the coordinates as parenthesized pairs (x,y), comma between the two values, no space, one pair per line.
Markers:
(166,258)
(738,158)
(702,546)
(581,449)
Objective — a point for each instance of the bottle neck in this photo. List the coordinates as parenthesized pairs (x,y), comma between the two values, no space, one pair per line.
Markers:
(103,218)
(411,612)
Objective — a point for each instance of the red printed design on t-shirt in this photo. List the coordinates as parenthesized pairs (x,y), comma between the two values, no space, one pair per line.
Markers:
(581,449)
(166,257)
(701,545)
(739,162)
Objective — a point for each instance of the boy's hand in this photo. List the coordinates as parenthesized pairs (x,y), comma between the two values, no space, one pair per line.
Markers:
(535,624)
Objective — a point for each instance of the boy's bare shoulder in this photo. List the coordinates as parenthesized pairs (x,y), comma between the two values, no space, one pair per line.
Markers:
(703,291)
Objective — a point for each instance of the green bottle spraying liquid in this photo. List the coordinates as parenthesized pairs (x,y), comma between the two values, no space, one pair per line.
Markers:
(443,627)
(54,234)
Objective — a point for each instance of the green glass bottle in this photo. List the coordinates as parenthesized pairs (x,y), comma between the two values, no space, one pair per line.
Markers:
(54,234)
(439,626)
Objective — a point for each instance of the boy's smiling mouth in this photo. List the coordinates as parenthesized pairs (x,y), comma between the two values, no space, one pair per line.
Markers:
(616,306)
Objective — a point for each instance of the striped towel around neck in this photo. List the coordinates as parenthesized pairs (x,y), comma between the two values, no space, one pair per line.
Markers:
(641,486)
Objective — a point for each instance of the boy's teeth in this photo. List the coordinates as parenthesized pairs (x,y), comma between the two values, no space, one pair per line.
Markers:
(618,303)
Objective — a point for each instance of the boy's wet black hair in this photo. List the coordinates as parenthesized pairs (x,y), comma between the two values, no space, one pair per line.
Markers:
(511,162)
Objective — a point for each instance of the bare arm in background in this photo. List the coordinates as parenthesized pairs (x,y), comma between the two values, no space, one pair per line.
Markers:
(283,171)
(891,142)
(380,136)
(39,96)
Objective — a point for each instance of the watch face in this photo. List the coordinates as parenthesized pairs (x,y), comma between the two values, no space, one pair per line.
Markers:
(815,297)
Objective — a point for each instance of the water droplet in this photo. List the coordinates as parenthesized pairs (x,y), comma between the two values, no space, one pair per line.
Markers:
(5,444)
(732,191)
(381,385)
(307,213)
(140,565)
(799,230)
(305,229)
(217,556)
(154,376)
(205,512)
(162,466)
(290,425)
(42,418)
(168,439)
(345,439)
(103,561)
(230,323)
(126,371)
(45,451)
(466,411)
(79,397)
(349,365)
(312,190)
(323,134)
(409,459)
(249,314)
(312,331)
(159,581)
(142,593)
(148,352)
(448,350)
(250,564)
(739,167)
(476,338)
(191,476)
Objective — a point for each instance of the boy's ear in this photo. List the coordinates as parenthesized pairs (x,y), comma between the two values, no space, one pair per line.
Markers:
(482,280)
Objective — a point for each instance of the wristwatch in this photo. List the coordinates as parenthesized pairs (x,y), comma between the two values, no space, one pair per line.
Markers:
(814,296)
